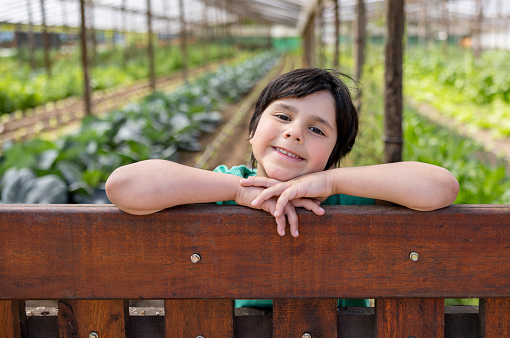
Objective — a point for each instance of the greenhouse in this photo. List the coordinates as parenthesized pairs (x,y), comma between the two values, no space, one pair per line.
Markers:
(91,87)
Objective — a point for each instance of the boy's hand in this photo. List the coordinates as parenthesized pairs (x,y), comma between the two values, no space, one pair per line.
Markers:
(246,194)
(315,185)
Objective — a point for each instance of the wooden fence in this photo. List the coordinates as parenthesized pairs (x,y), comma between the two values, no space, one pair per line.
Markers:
(198,258)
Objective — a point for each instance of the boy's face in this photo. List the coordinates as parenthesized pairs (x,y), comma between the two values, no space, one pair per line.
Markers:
(295,136)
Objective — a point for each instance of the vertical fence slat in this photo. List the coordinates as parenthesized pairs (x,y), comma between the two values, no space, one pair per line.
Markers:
(199,317)
(495,317)
(409,317)
(78,318)
(12,319)
(295,317)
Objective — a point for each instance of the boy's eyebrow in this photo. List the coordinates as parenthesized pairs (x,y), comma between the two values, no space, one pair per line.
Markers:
(286,106)
(316,118)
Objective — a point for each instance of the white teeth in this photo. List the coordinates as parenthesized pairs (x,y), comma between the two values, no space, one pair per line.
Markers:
(287,153)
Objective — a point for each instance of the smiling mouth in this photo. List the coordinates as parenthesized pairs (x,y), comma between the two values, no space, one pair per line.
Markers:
(285,152)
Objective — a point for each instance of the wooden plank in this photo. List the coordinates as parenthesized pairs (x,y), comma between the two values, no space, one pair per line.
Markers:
(199,317)
(103,253)
(495,317)
(411,317)
(13,319)
(296,317)
(353,322)
(80,318)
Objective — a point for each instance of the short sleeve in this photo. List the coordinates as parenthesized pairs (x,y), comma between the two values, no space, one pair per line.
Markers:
(240,170)
(348,200)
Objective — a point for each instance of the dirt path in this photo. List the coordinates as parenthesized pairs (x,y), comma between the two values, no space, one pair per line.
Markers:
(229,144)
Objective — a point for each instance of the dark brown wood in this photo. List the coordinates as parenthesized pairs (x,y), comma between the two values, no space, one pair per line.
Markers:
(150,47)
(360,32)
(477,31)
(393,103)
(353,322)
(79,318)
(199,317)
(336,57)
(101,252)
(184,37)
(85,61)
(295,317)
(417,317)
(46,39)
(13,322)
(494,317)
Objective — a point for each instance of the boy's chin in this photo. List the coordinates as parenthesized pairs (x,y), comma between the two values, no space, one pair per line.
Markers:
(282,175)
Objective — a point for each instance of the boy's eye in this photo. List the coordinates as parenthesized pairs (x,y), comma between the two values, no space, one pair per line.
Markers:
(283,117)
(316,131)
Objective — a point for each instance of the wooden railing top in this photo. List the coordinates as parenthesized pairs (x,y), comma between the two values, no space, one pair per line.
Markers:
(99,252)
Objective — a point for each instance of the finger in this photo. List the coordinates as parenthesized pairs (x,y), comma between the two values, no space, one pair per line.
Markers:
(268,193)
(292,218)
(258,182)
(281,222)
(310,204)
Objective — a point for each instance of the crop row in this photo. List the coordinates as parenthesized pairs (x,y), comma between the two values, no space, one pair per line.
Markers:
(483,179)
(22,88)
(471,91)
(73,169)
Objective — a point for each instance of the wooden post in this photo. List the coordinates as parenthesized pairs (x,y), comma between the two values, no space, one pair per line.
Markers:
(81,318)
(296,317)
(199,317)
(31,39)
(13,323)
(336,60)
(446,25)
(184,48)
(85,61)
(424,24)
(413,317)
(393,82)
(205,33)
(477,31)
(46,40)
(309,42)
(494,316)
(92,32)
(150,47)
(359,48)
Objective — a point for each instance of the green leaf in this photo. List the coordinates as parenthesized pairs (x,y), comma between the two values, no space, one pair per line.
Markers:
(15,185)
(49,189)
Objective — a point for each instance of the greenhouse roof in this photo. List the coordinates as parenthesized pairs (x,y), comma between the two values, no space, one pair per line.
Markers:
(131,15)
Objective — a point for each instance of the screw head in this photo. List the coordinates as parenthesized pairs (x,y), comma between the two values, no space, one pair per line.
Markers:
(200,337)
(195,258)
(93,334)
(414,256)
(306,335)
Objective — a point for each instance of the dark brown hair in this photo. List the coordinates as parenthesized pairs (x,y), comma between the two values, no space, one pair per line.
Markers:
(303,82)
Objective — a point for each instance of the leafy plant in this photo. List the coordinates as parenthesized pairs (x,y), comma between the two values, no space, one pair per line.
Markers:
(158,127)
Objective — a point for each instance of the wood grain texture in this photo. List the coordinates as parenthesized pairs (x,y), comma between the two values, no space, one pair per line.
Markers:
(494,317)
(353,322)
(409,318)
(13,323)
(295,317)
(199,317)
(350,252)
(108,318)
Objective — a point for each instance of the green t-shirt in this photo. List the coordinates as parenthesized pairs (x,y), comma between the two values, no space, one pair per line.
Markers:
(245,172)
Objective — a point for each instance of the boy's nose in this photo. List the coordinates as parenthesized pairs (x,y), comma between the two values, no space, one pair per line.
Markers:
(292,133)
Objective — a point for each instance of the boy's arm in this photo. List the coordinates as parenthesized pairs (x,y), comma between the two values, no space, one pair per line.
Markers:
(416,185)
(149,186)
